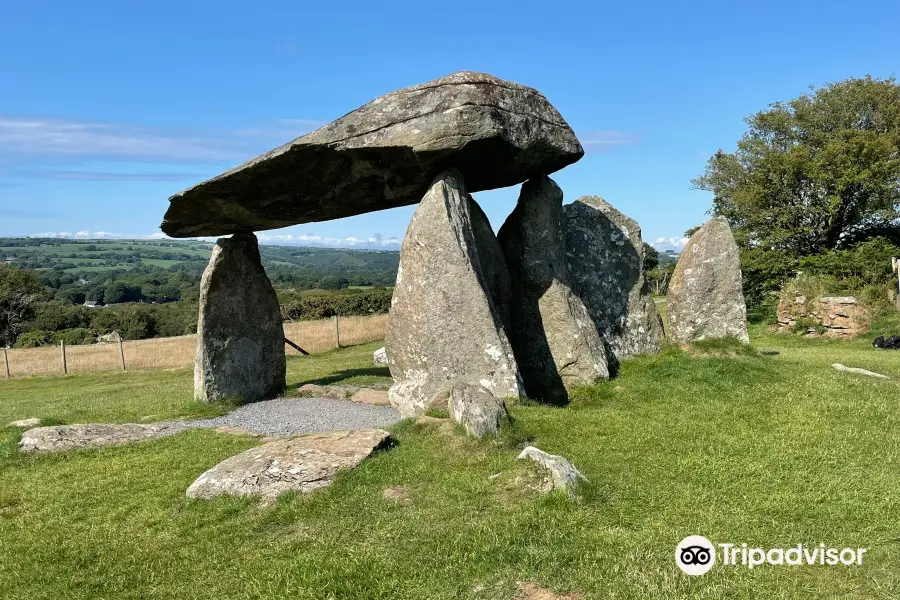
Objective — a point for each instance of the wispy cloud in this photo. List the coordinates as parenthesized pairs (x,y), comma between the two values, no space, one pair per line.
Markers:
(375,241)
(604,141)
(670,243)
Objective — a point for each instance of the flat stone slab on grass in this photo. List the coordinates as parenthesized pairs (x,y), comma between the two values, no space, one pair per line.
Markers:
(58,438)
(26,423)
(301,464)
(859,371)
(312,390)
(370,396)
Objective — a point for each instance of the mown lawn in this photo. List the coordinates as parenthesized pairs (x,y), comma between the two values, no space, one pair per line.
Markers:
(772,448)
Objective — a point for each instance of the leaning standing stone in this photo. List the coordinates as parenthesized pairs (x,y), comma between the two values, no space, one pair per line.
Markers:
(240,339)
(444,327)
(705,297)
(555,341)
(606,266)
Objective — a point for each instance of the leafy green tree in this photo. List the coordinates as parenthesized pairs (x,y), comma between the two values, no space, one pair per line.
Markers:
(651,257)
(819,172)
(19,290)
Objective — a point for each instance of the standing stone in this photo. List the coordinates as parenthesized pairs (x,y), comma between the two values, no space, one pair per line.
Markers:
(444,327)
(493,263)
(606,266)
(705,297)
(240,339)
(554,339)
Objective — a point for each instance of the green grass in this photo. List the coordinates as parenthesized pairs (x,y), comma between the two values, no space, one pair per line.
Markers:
(772,448)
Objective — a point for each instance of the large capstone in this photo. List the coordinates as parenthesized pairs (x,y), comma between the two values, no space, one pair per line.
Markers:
(606,268)
(386,154)
(240,339)
(705,297)
(555,342)
(444,327)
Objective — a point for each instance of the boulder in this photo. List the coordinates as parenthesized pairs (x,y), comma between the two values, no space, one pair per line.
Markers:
(300,464)
(705,297)
(370,396)
(606,268)
(385,154)
(58,438)
(26,423)
(444,327)
(555,342)
(379,357)
(240,338)
(562,474)
(493,264)
(477,411)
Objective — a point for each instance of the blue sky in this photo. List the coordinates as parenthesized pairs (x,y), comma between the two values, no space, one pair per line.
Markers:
(108,108)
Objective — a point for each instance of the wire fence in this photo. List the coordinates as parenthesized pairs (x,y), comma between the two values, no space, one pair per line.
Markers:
(178,352)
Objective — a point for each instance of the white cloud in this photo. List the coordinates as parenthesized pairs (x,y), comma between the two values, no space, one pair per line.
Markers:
(670,243)
(604,141)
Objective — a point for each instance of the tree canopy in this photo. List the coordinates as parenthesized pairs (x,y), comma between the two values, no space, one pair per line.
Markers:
(819,172)
(19,290)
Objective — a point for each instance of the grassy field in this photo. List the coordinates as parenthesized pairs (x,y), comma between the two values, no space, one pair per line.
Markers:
(178,352)
(770,447)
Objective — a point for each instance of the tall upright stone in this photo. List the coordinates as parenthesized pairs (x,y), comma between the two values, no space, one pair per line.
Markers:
(240,338)
(705,296)
(555,342)
(606,266)
(493,264)
(444,327)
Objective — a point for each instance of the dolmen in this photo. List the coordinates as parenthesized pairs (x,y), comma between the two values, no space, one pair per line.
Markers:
(473,313)
(706,297)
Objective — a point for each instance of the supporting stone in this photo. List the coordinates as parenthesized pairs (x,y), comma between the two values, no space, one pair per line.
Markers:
(606,267)
(705,295)
(240,338)
(444,327)
(555,342)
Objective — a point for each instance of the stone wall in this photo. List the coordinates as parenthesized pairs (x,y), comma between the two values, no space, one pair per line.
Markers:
(833,316)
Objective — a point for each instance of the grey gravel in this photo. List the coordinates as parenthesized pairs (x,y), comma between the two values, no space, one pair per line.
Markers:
(293,416)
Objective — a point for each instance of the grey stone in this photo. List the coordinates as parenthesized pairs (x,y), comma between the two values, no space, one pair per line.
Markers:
(444,328)
(26,423)
(300,464)
(479,412)
(240,337)
(370,396)
(379,357)
(493,263)
(606,269)
(858,371)
(555,342)
(705,297)
(562,474)
(57,438)
(385,154)
(312,390)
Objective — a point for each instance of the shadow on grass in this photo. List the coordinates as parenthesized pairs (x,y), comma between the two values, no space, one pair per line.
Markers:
(345,374)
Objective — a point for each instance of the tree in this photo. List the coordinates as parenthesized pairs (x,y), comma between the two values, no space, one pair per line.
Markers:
(819,172)
(19,290)
(651,257)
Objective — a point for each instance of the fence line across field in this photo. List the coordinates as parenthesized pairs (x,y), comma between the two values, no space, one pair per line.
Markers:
(178,352)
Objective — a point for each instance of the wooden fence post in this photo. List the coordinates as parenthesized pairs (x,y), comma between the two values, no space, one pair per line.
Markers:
(337,331)
(122,353)
(62,346)
(6,362)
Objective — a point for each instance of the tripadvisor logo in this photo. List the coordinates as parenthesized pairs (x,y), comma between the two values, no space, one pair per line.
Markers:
(696,555)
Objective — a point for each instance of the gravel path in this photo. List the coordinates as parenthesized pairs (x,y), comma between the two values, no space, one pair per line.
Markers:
(292,416)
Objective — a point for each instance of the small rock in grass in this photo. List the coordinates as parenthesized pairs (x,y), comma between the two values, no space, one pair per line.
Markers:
(338,392)
(479,412)
(379,357)
(26,423)
(858,371)
(563,474)
(370,396)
